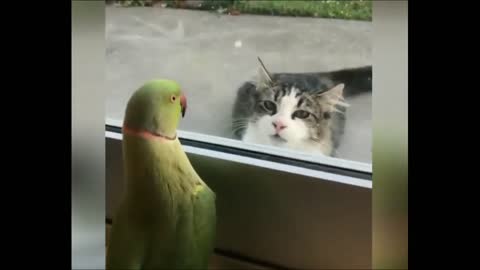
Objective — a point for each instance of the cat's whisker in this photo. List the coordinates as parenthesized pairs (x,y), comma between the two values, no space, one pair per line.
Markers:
(239,126)
(241,120)
(336,97)
(343,104)
(338,111)
(236,128)
(333,96)
(339,103)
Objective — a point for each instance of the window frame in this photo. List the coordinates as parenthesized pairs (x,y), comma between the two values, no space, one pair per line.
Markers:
(225,148)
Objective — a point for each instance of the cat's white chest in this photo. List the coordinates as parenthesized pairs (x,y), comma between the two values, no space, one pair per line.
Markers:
(253,135)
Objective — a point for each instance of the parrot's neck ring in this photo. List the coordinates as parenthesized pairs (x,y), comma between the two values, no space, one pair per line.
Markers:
(146,134)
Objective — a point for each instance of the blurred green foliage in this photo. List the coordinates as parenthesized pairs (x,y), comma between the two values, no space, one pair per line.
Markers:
(348,10)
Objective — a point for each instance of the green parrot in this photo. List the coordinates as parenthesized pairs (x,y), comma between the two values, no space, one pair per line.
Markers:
(167,219)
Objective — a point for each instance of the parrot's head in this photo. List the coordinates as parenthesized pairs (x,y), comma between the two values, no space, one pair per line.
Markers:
(155,109)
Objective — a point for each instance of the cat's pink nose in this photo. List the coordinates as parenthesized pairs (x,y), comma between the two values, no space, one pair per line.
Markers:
(278,125)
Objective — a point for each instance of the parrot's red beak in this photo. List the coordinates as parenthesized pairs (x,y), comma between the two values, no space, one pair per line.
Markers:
(183,103)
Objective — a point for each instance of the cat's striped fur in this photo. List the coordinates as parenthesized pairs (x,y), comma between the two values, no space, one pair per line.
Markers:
(309,108)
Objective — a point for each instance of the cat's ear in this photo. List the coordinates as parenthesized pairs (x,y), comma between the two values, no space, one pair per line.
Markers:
(333,97)
(264,79)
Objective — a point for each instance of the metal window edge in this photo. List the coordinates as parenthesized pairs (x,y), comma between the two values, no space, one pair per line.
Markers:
(329,161)
(268,164)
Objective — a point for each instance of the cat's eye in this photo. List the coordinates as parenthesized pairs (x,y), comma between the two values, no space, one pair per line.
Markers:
(270,106)
(300,114)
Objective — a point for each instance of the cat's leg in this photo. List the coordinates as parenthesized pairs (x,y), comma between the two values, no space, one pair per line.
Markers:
(323,147)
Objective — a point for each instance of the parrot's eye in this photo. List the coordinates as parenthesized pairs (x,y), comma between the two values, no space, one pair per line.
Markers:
(173,98)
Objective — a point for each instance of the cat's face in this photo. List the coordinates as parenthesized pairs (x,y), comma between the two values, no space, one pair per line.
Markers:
(286,115)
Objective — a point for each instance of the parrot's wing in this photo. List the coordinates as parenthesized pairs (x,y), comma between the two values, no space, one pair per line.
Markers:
(204,215)
(126,247)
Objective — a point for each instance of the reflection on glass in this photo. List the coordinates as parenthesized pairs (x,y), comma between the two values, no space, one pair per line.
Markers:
(287,74)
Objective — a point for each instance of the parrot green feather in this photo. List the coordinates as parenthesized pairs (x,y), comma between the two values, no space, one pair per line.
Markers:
(167,219)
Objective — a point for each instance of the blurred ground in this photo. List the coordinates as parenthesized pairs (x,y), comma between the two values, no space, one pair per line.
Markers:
(210,55)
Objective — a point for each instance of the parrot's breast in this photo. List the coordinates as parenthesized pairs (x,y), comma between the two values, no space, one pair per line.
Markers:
(176,208)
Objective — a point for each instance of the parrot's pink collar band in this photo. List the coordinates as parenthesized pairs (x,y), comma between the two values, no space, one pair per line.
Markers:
(146,134)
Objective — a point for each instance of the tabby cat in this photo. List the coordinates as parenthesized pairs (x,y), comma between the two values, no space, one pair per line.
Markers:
(299,111)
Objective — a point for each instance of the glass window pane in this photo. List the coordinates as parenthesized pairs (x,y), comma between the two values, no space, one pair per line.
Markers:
(316,59)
